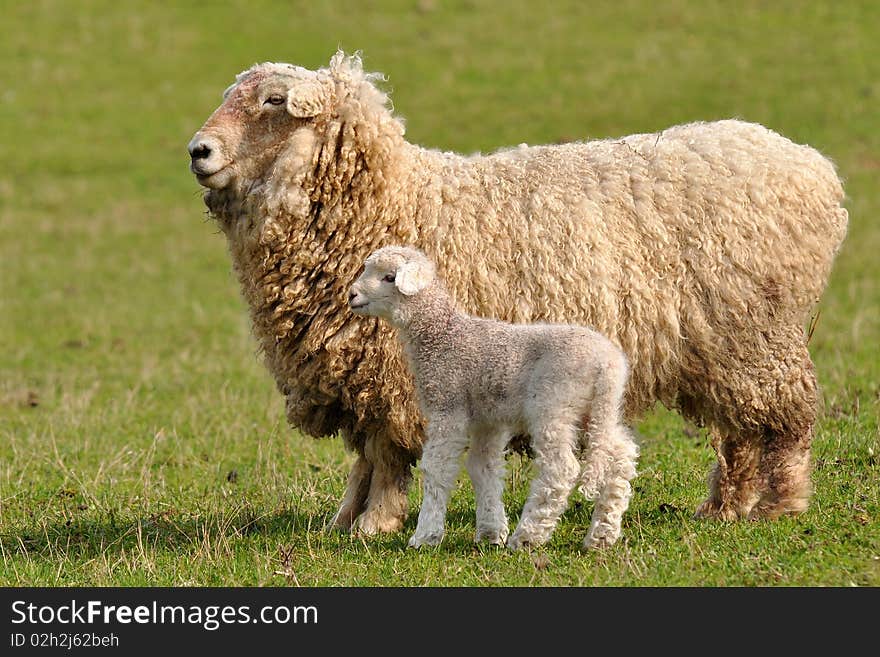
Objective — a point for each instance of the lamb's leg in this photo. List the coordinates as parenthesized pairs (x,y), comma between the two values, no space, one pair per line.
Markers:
(619,452)
(387,503)
(558,470)
(445,442)
(595,461)
(356,491)
(485,465)
(609,461)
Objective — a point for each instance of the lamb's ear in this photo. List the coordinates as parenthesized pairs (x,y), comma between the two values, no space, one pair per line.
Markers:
(411,278)
(306,99)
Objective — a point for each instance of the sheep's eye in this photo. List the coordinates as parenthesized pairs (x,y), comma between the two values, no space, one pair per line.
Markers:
(274,99)
(388,278)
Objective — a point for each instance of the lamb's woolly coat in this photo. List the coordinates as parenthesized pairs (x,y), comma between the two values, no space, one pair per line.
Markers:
(480,381)
(700,250)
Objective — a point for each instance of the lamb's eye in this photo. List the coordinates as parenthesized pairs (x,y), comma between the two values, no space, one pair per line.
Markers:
(274,99)
(388,278)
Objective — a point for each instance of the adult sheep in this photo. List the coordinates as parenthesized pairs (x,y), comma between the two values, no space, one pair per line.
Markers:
(700,250)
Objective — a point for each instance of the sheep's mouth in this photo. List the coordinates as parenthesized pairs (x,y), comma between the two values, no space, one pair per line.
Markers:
(358,306)
(214,180)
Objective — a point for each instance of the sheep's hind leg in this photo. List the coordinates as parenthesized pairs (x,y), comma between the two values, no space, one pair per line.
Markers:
(620,453)
(733,481)
(785,463)
(764,471)
(785,475)
(558,471)
(485,465)
(445,442)
(387,503)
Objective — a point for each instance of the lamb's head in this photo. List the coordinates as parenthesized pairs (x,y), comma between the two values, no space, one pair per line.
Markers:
(392,277)
(275,118)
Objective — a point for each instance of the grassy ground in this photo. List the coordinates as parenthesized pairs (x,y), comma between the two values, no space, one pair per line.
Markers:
(142,442)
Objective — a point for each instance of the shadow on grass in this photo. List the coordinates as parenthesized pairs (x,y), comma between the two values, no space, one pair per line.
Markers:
(84,538)
(91,537)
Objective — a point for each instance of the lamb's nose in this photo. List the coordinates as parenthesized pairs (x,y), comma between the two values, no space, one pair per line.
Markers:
(351,295)
(199,151)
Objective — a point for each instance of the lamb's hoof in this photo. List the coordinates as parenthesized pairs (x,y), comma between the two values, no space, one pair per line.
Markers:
(599,542)
(492,536)
(371,523)
(418,540)
(523,542)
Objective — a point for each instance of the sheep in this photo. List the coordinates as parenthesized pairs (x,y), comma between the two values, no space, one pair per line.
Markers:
(700,250)
(481,381)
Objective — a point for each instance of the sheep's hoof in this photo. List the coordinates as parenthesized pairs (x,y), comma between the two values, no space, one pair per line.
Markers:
(372,523)
(342,521)
(334,526)
(771,507)
(418,540)
(491,536)
(712,510)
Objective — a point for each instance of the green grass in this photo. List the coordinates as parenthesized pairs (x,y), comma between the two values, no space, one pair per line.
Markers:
(130,391)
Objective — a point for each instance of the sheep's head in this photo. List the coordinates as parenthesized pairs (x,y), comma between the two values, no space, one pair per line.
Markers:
(275,117)
(391,275)
(258,116)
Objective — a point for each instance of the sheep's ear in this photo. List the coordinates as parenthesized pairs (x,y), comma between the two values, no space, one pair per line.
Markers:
(305,100)
(411,278)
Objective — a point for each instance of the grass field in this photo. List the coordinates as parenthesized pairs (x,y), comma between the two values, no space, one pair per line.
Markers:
(141,440)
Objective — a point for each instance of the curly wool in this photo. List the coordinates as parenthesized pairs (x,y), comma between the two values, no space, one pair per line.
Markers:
(480,380)
(699,250)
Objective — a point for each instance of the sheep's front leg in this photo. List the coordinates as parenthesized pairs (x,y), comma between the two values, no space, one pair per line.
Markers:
(485,465)
(355,500)
(387,502)
(445,442)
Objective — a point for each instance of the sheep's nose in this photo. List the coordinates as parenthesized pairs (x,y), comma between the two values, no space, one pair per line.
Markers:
(203,147)
(207,155)
(200,150)
(351,295)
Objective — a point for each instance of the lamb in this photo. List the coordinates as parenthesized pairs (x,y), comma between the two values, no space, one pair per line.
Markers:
(701,251)
(482,381)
